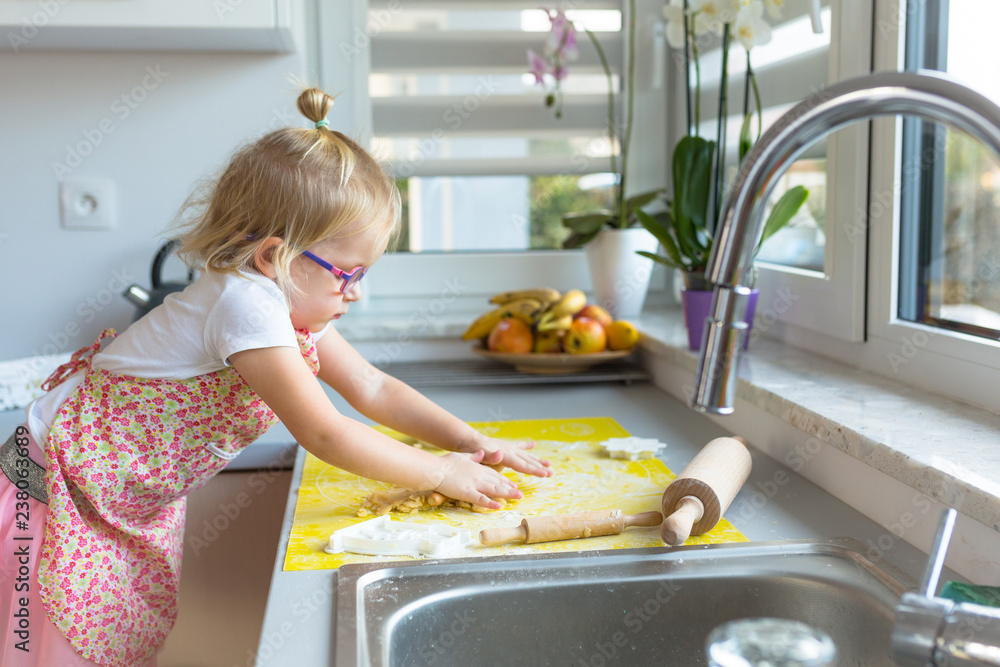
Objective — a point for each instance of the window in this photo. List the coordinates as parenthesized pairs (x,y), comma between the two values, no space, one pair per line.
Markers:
(950,201)
(791,66)
(929,283)
(812,275)
(483,163)
(349,54)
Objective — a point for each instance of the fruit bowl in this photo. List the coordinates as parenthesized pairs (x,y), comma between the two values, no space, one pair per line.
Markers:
(551,362)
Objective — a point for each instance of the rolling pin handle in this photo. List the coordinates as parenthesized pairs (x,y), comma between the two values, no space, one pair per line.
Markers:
(644,519)
(490,536)
(676,528)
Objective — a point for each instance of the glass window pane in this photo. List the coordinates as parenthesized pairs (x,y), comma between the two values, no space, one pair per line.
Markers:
(495,212)
(802,243)
(789,67)
(472,159)
(950,225)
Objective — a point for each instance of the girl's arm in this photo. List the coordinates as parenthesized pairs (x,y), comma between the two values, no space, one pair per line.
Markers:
(282,379)
(388,401)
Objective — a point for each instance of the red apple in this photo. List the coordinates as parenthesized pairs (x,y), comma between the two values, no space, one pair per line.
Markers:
(595,312)
(585,336)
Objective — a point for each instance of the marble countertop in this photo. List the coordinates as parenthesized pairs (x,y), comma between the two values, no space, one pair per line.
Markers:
(941,447)
(300,616)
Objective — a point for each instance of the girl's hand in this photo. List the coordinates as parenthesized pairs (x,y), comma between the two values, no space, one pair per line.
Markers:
(464,479)
(514,455)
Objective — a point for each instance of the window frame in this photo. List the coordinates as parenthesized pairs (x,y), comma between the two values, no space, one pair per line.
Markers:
(391,288)
(939,360)
(943,362)
(832,303)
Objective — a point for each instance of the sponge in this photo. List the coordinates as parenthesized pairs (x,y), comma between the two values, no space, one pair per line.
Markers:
(988,596)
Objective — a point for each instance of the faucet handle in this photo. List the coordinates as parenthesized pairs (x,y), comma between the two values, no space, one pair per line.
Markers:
(938,552)
(920,616)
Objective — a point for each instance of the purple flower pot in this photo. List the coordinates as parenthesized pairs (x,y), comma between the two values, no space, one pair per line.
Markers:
(698,306)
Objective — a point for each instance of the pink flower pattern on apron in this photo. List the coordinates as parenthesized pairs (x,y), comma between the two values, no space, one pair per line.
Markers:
(122,454)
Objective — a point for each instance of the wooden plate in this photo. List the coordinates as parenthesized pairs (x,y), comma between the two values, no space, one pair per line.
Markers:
(551,362)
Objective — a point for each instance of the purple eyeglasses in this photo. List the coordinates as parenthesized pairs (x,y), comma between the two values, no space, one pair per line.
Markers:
(351,278)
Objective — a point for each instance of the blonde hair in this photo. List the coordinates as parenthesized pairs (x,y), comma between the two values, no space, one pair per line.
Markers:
(301,185)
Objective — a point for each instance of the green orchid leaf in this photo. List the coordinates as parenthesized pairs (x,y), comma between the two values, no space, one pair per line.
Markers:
(587,223)
(783,212)
(661,231)
(578,240)
(662,260)
(746,143)
(635,202)
(692,175)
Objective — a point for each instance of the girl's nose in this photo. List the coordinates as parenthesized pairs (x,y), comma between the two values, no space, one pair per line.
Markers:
(353,293)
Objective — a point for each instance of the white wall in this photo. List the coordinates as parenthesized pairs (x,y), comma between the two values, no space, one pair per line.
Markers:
(193,116)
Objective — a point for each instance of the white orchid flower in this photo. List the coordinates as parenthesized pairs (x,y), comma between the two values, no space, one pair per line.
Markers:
(750,27)
(774,8)
(712,15)
(674,13)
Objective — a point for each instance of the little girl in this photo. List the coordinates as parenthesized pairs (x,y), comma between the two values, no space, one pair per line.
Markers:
(93,496)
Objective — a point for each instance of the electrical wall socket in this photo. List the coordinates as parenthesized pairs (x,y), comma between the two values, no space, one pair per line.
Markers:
(88,203)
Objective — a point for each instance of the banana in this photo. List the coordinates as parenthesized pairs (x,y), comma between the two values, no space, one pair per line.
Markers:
(546,295)
(549,321)
(525,310)
(484,324)
(571,303)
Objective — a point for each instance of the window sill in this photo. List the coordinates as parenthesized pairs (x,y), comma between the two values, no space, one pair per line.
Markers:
(944,449)
(938,446)
(892,451)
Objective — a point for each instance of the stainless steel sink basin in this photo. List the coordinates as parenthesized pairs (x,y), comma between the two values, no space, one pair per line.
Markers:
(627,607)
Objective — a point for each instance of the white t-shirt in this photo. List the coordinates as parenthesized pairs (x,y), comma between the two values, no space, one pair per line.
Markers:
(191,333)
(194,332)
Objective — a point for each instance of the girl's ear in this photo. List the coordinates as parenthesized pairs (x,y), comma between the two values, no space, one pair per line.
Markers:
(263,259)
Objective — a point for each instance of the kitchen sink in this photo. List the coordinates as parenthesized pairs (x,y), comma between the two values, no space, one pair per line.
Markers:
(630,607)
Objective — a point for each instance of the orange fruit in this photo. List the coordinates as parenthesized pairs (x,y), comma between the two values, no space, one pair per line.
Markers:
(622,335)
(510,335)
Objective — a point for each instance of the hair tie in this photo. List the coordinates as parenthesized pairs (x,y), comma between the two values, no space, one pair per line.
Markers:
(322,123)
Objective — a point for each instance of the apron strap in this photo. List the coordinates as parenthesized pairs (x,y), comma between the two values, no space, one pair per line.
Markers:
(20,469)
(81,358)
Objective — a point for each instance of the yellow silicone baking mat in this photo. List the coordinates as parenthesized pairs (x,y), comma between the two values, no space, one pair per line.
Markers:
(585,479)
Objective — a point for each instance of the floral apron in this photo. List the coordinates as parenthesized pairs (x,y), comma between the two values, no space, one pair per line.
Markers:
(121,455)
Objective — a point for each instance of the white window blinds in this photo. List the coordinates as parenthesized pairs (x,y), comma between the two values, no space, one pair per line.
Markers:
(450,93)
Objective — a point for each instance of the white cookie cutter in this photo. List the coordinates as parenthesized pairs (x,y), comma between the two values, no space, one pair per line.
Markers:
(383,537)
(631,448)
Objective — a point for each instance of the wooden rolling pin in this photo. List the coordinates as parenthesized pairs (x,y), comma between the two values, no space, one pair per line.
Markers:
(696,500)
(568,527)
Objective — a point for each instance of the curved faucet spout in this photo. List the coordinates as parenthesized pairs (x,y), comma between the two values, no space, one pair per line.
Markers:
(929,95)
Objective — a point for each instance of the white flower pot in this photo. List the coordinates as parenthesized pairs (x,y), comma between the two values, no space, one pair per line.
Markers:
(621,277)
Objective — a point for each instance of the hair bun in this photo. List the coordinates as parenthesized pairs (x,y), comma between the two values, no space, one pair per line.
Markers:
(314,104)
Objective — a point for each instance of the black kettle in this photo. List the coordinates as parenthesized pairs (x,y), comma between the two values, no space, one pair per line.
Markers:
(145,300)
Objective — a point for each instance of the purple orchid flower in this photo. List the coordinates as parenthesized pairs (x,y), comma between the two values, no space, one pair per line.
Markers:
(561,42)
(538,67)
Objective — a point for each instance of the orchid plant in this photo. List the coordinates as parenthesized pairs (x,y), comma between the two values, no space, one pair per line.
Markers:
(550,69)
(686,233)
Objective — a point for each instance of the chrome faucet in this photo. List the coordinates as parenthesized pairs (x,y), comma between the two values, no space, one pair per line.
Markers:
(931,631)
(929,95)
